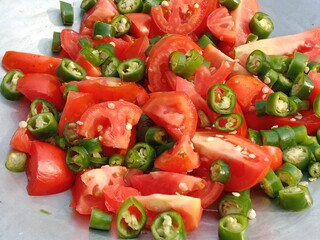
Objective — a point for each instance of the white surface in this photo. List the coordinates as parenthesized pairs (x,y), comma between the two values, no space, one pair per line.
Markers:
(28,26)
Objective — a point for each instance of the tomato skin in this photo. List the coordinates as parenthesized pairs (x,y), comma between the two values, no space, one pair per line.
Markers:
(181,158)
(275,156)
(212,5)
(69,42)
(174,111)
(21,140)
(161,78)
(41,85)
(247,168)
(46,170)
(140,24)
(77,103)
(90,69)
(137,49)
(29,62)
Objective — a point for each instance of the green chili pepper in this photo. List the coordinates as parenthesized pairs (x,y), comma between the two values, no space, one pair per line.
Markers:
(314,169)
(271,77)
(300,133)
(252,38)
(43,125)
(66,10)
(92,145)
(125,6)
(279,63)
(164,147)
(193,61)
(128,224)
(177,62)
(142,127)
(121,24)
(298,155)
(295,104)
(286,136)
(106,50)
(56,42)
(314,66)
(86,5)
(261,25)
(297,65)
(230,4)
(140,156)
(110,66)
(116,160)
(220,171)
(156,136)
(68,88)
(70,133)
(221,99)
(132,70)
(9,85)
(92,55)
(69,70)
(148,4)
(316,106)
(255,61)
(77,159)
(61,142)
(102,29)
(295,198)
(233,227)
(228,122)
(270,137)
(16,161)
(302,87)
(168,225)
(205,41)
(254,136)
(289,174)
(100,220)
(271,184)
(261,107)
(40,105)
(282,84)
(278,104)
(85,42)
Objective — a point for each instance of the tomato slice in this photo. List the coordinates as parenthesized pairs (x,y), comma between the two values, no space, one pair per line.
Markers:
(275,156)
(21,140)
(174,111)
(212,5)
(137,48)
(180,158)
(248,161)
(160,77)
(90,69)
(180,16)
(111,121)
(69,42)
(140,24)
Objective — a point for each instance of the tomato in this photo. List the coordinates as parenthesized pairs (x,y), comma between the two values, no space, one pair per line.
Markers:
(77,103)
(120,45)
(140,24)
(243,129)
(112,121)
(180,158)
(248,90)
(112,89)
(90,69)
(315,77)
(160,77)
(29,62)
(41,85)
(69,42)
(46,170)
(21,140)
(180,16)
(275,156)
(174,111)
(221,25)
(189,208)
(248,161)
(138,48)
(212,5)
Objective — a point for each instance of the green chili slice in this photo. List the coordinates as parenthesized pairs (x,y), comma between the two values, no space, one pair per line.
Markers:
(233,227)
(289,174)
(177,62)
(314,169)
(116,160)
(140,156)
(70,133)
(299,156)
(297,65)
(295,198)
(270,137)
(66,10)
(68,88)
(125,6)
(230,4)
(235,203)
(193,61)
(85,42)
(132,70)
(102,29)
(86,5)
(282,84)
(205,41)
(255,61)
(261,25)
(16,161)
(92,55)
(43,125)
(252,38)
(69,70)
(100,220)
(220,171)
(9,85)
(279,63)
(286,136)
(254,136)
(278,104)
(40,105)
(228,122)
(77,159)
(56,42)
(300,133)
(302,87)
(316,106)
(148,4)
(271,184)
(61,142)
(110,66)
(92,145)
(121,24)
(314,66)
(221,99)
(156,136)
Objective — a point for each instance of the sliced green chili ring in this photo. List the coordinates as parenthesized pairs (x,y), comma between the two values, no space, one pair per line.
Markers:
(102,29)
(109,67)
(85,42)
(316,154)
(140,156)
(254,136)
(252,38)
(302,87)
(132,70)
(205,41)
(289,174)
(156,136)
(56,42)
(278,104)
(286,137)
(295,198)
(317,135)
(261,107)
(148,4)
(43,125)
(193,61)
(98,161)
(282,84)
(16,161)
(116,160)
(164,148)
(221,99)
(68,88)
(92,55)
(69,70)
(271,184)
(271,77)
(70,133)
(92,145)
(61,142)
(203,120)
(106,50)
(297,65)
(66,11)
(220,171)
(128,224)
(255,61)
(121,23)
(261,25)
(40,105)
(233,227)
(177,62)
(133,6)
(279,63)
(298,155)
(314,169)
(168,225)
(142,127)
(235,203)
(300,133)
(314,66)
(100,220)
(228,122)
(77,159)
(294,104)
(311,142)
(264,69)
(316,105)
(86,5)
(230,4)
(9,85)
(270,137)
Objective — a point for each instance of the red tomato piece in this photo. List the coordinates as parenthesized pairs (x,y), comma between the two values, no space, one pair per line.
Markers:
(189,208)
(180,158)
(77,103)
(90,69)
(41,85)
(212,5)
(140,24)
(275,156)
(69,42)
(111,121)
(46,170)
(166,183)
(29,62)
(180,16)
(174,111)
(21,140)
(243,129)
(160,77)
(138,48)
(248,161)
